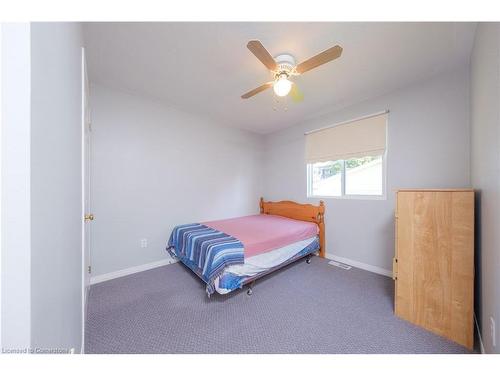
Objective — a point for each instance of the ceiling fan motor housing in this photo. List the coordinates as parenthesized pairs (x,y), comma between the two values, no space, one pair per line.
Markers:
(285,63)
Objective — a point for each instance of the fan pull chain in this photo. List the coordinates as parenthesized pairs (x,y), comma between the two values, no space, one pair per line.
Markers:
(276,102)
(279,103)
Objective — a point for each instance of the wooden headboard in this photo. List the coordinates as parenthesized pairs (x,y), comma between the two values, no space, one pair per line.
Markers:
(299,211)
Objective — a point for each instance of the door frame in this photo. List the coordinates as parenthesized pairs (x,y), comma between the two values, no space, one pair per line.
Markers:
(85,179)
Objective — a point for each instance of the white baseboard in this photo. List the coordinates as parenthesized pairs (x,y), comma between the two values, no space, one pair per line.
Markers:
(481,346)
(363,266)
(128,271)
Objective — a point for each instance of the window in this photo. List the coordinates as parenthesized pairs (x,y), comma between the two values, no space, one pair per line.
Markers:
(347,160)
(326,178)
(364,176)
(352,177)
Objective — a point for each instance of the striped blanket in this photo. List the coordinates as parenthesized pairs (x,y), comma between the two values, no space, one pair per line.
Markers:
(205,250)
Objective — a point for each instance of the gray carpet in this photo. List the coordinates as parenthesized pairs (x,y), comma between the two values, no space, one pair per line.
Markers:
(303,308)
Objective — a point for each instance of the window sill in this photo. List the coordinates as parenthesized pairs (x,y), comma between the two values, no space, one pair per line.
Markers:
(351,197)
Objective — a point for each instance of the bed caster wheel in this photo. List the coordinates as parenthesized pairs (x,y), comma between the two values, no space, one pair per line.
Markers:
(250,287)
(308,260)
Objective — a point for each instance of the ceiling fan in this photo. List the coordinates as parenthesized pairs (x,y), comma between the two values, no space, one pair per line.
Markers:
(283,67)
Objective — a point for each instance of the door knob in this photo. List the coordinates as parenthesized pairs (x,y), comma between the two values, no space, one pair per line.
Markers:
(89,217)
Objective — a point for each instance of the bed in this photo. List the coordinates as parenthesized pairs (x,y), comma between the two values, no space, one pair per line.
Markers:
(229,254)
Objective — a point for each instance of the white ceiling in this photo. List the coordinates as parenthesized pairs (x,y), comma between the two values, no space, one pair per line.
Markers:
(203,68)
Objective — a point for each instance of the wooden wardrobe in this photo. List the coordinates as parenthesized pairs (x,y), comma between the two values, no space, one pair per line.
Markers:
(433,265)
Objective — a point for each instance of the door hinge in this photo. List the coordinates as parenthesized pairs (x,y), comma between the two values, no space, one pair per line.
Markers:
(89,269)
(394,268)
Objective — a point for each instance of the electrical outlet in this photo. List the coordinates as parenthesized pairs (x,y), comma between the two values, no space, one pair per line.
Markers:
(493,332)
(144,242)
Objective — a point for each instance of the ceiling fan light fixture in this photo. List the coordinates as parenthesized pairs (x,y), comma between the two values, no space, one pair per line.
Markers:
(282,85)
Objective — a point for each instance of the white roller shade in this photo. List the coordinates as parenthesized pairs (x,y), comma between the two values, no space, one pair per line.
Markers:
(358,138)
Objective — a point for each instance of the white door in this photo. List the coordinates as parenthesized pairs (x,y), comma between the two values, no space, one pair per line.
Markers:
(88,217)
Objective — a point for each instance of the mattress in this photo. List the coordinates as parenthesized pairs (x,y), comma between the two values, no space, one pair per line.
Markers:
(263,233)
(235,276)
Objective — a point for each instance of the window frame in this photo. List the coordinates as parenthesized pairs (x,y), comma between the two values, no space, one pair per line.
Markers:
(343,195)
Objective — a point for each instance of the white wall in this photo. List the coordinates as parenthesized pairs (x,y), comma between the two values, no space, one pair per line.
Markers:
(41,187)
(155,167)
(16,203)
(485,163)
(428,146)
(56,194)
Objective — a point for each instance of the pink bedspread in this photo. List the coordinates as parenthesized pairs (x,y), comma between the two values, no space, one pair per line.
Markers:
(263,233)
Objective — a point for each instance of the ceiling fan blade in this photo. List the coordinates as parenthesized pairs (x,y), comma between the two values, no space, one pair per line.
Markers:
(256,47)
(295,93)
(320,59)
(253,92)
